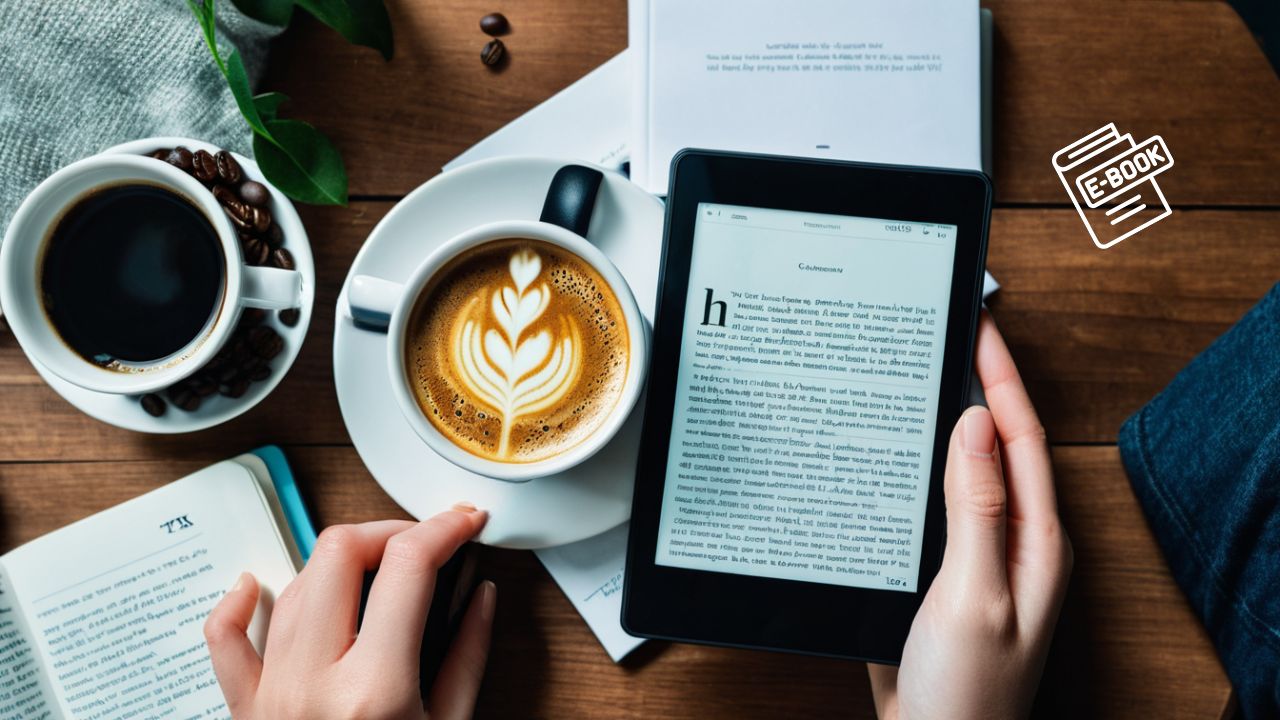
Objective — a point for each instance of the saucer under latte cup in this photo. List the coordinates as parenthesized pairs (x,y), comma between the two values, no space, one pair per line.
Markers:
(22,256)
(382,305)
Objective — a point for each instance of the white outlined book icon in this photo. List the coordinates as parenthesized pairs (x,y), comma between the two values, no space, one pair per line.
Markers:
(1111,181)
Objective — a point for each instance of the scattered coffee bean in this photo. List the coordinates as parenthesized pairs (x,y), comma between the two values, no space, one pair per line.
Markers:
(255,250)
(180,158)
(289,317)
(254,193)
(204,167)
(153,404)
(494,24)
(282,259)
(228,374)
(241,214)
(265,342)
(225,195)
(259,372)
(160,154)
(492,53)
(182,397)
(275,236)
(203,385)
(253,316)
(235,389)
(260,217)
(228,168)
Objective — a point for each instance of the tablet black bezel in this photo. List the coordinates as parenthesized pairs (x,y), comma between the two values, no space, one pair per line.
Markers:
(737,610)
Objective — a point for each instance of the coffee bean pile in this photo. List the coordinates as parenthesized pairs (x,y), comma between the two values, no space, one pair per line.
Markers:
(246,357)
(493,25)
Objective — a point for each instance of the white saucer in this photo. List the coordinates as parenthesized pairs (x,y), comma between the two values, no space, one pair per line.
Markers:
(584,501)
(125,411)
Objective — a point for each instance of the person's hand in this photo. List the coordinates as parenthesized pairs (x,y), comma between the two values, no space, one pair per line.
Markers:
(319,665)
(978,644)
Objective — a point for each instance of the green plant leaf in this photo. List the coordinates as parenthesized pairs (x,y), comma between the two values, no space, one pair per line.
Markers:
(238,81)
(268,104)
(271,12)
(293,156)
(302,162)
(361,22)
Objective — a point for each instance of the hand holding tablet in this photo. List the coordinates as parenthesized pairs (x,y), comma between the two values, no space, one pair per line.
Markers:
(814,332)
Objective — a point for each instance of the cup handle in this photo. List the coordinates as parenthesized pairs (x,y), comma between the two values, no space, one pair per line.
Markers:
(372,300)
(271,288)
(571,198)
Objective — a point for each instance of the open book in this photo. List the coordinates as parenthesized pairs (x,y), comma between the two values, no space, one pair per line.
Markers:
(104,618)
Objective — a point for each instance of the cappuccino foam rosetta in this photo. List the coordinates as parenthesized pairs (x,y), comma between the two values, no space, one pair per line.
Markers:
(517,350)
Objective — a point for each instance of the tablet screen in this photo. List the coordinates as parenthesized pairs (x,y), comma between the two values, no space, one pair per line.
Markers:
(807,391)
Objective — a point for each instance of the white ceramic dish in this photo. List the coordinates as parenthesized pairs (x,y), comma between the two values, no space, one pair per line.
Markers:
(583,501)
(125,411)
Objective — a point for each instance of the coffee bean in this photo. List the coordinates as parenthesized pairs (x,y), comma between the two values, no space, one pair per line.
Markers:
(275,236)
(282,259)
(241,214)
(228,168)
(255,250)
(289,317)
(261,218)
(228,374)
(235,389)
(252,316)
(153,404)
(494,24)
(492,53)
(260,372)
(159,154)
(204,167)
(265,342)
(184,398)
(254,193)
(203,386)
(225,195)
(180,158)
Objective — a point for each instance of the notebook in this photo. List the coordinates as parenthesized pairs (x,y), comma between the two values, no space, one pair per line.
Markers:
(104,618)
(893,82)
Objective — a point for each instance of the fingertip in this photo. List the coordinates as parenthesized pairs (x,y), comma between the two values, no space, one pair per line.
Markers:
(977,433)
(488,600)
(476,516)
(246,581)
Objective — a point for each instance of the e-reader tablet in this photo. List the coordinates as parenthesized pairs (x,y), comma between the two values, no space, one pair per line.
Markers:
(811,354)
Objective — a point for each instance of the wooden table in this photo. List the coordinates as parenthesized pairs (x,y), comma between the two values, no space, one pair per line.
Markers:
(1095,333)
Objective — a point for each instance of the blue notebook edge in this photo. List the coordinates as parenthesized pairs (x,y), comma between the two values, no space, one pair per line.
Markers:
(295,511)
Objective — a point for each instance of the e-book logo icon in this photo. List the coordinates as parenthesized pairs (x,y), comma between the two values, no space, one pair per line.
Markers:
(1116,180)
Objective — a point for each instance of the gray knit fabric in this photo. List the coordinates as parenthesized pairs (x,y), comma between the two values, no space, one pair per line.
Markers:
(77,76)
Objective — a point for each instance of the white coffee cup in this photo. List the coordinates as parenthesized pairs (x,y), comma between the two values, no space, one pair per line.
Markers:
(21,255)
(385,306)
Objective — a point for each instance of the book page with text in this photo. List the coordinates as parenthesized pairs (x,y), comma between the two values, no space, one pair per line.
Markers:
(117,602)
(802,437)
(24,688)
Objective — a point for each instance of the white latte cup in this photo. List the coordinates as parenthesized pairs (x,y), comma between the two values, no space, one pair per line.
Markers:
(384,306)
(32,226)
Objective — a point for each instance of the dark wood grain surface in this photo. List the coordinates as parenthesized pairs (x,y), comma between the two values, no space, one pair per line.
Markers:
(1096,334)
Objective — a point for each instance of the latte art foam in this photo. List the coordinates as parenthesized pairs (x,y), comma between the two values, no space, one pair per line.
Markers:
(517,350)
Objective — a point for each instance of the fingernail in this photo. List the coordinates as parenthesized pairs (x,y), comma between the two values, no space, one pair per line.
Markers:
(488,599)
(464,507)
(241,582)
(978,432)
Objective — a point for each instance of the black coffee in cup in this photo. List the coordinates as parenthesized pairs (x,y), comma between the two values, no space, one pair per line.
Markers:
(131,275)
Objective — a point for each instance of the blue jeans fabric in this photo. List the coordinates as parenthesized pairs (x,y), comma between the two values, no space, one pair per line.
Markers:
(1204,461)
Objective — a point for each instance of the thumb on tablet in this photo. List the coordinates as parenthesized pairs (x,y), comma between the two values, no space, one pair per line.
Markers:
(976,500)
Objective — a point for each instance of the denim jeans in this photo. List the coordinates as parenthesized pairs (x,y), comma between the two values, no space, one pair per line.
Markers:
(1204,461)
